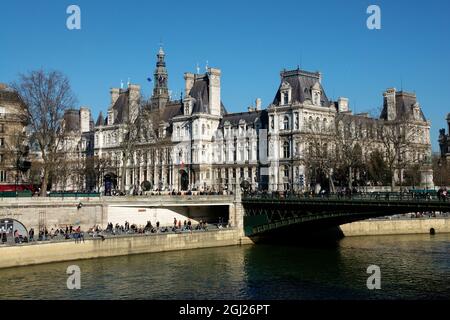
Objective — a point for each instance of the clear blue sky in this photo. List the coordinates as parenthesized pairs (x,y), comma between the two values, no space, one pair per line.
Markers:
(251,41)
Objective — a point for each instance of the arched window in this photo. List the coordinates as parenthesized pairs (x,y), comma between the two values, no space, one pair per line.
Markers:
(286,150)
(325,124)
(286,123)
(310,121)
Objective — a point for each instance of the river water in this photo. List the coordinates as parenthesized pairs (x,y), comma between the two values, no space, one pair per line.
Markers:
(412,267)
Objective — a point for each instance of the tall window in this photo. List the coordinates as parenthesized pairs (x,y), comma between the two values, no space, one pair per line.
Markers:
(2,175)
(286,123)
(286,150)
(285,97)
(286,171)
(316,98)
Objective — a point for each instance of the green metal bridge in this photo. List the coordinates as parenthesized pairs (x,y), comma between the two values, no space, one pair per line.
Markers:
(266,213)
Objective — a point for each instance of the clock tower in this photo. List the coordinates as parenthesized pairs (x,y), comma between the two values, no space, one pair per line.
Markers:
(160,90)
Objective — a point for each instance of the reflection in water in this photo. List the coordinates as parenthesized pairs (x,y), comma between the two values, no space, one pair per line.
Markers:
(412,267)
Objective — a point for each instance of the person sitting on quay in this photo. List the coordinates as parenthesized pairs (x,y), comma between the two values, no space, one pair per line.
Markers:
(17,236)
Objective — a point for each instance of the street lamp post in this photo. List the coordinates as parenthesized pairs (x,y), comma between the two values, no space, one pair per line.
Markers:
(440,171)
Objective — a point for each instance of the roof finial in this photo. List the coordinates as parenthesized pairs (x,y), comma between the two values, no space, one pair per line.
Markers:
(161,50)
(121,84)
(198,69)
(129,82)
(206,67)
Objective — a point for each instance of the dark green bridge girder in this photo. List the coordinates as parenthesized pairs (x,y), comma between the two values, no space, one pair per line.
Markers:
(266,214)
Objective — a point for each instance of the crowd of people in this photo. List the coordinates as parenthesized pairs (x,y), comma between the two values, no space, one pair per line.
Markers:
(57,233)
(177,226)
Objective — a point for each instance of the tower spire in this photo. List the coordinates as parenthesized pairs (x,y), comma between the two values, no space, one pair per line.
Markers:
(160,89)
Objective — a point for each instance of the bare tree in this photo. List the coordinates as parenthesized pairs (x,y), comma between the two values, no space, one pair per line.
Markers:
(349,151)
(398,139)
(320,155)
(46,96)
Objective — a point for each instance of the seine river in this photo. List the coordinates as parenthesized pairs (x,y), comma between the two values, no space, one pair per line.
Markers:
(412,267)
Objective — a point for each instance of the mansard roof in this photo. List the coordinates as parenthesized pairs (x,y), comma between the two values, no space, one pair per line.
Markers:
(172,109)
(301,83)
(200,92)
(404,102)
(101,120)
(249,118)
(120,108)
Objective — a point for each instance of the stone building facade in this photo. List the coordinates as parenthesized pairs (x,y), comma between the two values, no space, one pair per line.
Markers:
(12,139)
(76,151)
(194,143)
(303,119)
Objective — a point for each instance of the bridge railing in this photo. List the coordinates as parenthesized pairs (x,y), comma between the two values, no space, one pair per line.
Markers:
(372,196)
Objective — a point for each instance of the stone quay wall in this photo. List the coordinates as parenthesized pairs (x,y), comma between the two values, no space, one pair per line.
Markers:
(392,227)
(40,253)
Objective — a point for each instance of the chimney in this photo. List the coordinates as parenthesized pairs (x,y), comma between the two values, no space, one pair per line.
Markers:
(115,92)
(214,91)
(189,82)
(3,86)
(342,104)
(258,104)
(389,103)
(134,97)
(85,119)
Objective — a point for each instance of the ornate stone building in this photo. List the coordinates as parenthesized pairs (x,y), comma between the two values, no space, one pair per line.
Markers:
(191,143)
(194,143)
(76,151)
(13,167)
(303,121)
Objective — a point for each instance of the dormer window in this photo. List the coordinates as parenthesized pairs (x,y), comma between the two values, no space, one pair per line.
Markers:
(187,106)
(316,93)
(285,92)
(316,99)
(285,97)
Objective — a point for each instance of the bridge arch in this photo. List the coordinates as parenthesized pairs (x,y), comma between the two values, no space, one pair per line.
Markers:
(9,226)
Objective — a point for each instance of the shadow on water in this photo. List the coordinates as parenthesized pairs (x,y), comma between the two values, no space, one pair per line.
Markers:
(305,235)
